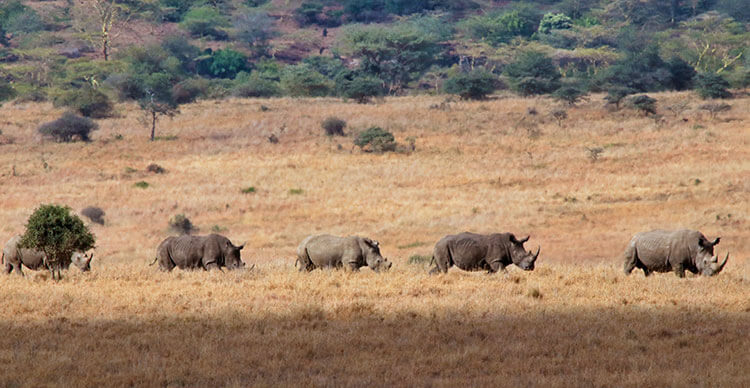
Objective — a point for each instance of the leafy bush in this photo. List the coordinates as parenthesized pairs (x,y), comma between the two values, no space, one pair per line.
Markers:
(141,184)
(6,90)
(94,214)
(501,27)
(533,73)
(53,230)
(715,108)
(366,11)
(474,85)
(205,21)
(253,85)
(248,190)
(643,103)
(68,127)
(570,94)
(616,94)
(712,85)
(334,126)
(308,12)
(226,63)
(554,21)
(375,139)
(181,224)
(15,17)
(302,80)
(358,86)
(87,101)
(189,90)
(329,67)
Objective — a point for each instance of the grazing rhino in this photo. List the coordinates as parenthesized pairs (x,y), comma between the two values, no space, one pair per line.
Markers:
(476,252)
(14,258)
(191,252)
(352,252)
(673,250)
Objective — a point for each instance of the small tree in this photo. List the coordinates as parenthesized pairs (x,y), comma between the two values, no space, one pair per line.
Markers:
(358,86)
(158,99)
(712,85)
(53,230)
(474,85)
(533,73)
(333,126)
(569,94)
(616,94)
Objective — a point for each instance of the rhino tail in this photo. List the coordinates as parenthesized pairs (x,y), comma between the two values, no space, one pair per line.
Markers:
(154,262)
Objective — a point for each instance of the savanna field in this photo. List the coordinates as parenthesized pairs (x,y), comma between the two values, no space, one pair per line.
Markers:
(580,187)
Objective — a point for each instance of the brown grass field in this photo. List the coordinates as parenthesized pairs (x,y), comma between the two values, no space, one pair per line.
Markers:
(489,166)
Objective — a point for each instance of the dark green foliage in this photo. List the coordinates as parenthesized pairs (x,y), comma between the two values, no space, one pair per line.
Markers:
(189,90)
(308,12)
(501,27)
(68,127)
(474,85)
(141,184)
(366,11)
(329,67)
(226,63)
(616,94)
(248,190)
(643,71)
(255,85)
(533,73)
(554,21)
(303,81)
(174,10)
(358,86)
(570,94)
(681,74)
(87,101)
(15,17)
(736,9)
(375,139)
(712,85)
(643,103)
(181,224)
(7,91)
(53,230)
(334,126)
(205,21)
(179,47)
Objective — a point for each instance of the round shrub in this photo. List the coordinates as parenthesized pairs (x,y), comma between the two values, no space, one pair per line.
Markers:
(181,224)
(69,127)
(189,90)
(375,139)
(254,85)
(474,85)
(643,103)
(360,87)
(88,102)
(334,126)
(712,85)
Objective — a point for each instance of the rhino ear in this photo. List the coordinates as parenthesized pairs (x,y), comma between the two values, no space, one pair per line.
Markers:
(523,240)
(513,238)
(716,241)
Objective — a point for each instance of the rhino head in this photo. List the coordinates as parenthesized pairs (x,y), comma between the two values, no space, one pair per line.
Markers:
(82,261)
(705,261)
(520,256)
(232,256)
(373,258)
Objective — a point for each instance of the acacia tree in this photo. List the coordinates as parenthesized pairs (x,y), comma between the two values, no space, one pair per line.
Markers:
(100,21)
(53,230)
(157,99)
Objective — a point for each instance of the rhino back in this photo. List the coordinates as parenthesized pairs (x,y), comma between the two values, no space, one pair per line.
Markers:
(30,258)
(661,249)
(328,251)
(468,250)
(186,251)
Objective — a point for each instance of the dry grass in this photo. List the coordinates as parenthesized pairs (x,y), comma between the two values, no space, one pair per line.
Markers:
(480,166)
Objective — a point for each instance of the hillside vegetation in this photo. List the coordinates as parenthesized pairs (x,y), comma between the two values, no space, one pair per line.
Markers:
(581,184)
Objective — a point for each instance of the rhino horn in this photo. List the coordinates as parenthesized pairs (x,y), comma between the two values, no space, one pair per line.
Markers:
(91,257)
(719,266)
(538,249)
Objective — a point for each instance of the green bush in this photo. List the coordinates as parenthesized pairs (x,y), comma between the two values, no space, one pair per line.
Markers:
(7,91)
(616,94)
(302,80)
(15,17)
(253,85)
(181,224)
(712,85)
(68,127)
(141,184)
(569,94)
(53,230)
(87,101)
(189,90)
(248,190)
(501,27)
(554,21)
(226,63)
(474,85)
(205,21)
(375,139)
(533,73)
(643,103)
(308,12)
(334,126)
(358,86)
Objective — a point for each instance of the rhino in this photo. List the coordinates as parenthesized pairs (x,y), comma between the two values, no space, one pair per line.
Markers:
(190,252)
(351,252)
(673,250)
(482,252)
(14,258)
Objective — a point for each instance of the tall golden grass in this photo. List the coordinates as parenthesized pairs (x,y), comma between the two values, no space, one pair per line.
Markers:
(580,189)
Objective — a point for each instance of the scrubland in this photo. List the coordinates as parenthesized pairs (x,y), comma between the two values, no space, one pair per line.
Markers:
(581,188)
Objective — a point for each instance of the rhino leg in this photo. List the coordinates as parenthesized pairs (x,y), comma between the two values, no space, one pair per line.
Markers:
(631,260)
(212,265)
(679,270)
(442,261)
(495,266)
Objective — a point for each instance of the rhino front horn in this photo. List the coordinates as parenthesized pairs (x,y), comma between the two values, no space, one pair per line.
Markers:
(538,249)
(721,265)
